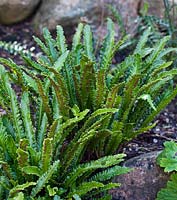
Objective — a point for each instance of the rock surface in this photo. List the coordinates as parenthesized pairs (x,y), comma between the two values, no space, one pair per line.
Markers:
(65,13)
(71,12)
(13,11)
(143,182)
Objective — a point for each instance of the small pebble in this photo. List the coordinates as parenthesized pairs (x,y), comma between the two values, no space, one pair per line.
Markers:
(155,140)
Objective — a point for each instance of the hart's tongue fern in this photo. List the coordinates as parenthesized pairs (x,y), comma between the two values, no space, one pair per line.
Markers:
(74,106)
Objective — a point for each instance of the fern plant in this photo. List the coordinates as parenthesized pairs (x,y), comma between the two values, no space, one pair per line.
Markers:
(43,159)
(168,160)
(139,87)
(76,106)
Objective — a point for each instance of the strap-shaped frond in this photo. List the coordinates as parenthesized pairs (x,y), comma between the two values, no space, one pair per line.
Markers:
(50,43)
(88,42)
(22,187)
(142,41)
(100,92)
(108,46)
(17,122)
(86,187)
(25,110)
(101,163)
(110,173)
(86,80)
(41,133)
(44,98)
(77,36)
(43,180)
(47,151)
(61,40)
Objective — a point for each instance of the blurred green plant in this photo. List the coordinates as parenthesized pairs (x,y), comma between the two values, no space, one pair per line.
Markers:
(168,160)
(160,27)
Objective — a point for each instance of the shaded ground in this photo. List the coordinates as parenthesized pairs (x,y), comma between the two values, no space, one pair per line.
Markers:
(166,128)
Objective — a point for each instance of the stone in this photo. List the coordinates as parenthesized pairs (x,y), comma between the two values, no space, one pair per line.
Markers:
(71,12)
(65,13)
(13,11)
(143,182)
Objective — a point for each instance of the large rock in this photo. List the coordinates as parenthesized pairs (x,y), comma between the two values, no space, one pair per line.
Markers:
(71,12)
(143,182)
(64,12)
(13,11)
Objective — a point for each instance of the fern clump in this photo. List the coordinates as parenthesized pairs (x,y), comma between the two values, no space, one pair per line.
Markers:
(44,158)
(74,106)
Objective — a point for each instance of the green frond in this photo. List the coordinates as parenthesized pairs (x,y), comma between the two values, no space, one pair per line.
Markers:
(25,110)
(86,80)
(59,63)
(77,36)
(108,46)
(157,50)
(160,107)
(60,136)
(113,142)
(129,96)
(101,163)
(85,187)
(47,151)
(105,188)
(61,40)
(112,96)
(44,98)
(30,82)
(41,45)
(142,41)
(96,114)
(62,101)
(43,180)
(15,111)
(88,42)
(19,188)
(100,91)
(23,158)
(42,131)
(50,43)
(110,173)
(32,170)
(33,64)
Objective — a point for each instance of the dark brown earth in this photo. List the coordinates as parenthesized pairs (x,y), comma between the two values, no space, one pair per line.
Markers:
(166,128)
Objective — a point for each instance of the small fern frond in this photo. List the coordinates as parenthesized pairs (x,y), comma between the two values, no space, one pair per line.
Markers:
(14,108)
(25,109)
(142,41)
(110,173)
(85,187)
(88,42)
(43,180)
(22,187)
(42,131)
(100,91)
(61,40)
(47,151)
(77,36)
(50,43)
(108,45)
